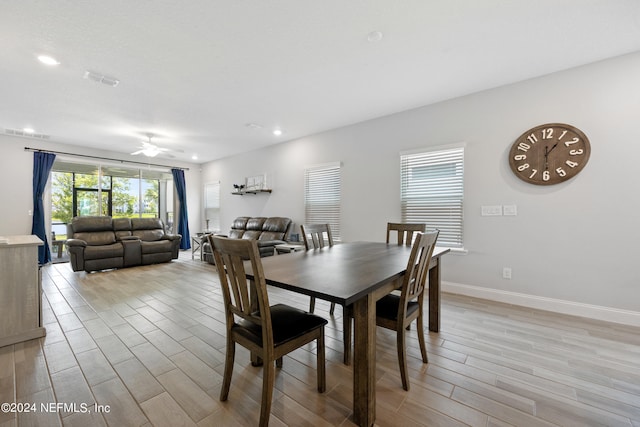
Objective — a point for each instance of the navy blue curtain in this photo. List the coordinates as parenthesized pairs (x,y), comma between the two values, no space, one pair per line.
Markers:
(42,163)
(183,219)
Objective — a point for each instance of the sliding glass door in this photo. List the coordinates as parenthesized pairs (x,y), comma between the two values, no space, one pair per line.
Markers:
(90,202)
(80,189)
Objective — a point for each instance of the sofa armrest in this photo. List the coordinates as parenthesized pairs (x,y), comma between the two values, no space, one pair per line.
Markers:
(171,237)
(76,253)
(175,240)
(75,242)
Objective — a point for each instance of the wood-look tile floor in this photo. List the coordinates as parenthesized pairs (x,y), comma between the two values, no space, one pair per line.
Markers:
(146,345)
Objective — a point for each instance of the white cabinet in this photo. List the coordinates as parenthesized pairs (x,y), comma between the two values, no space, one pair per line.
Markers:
(20,290)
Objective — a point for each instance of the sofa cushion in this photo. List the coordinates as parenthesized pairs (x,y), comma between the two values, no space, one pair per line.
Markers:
(236,234)
(120,224)
(147,229)
(160,246)
(271,235)
(96,238)
(240,223)
(122,227)
(255,223)
(114,250)
(276,224)
(251,234)
(146,224)
(148,235)
(91,223)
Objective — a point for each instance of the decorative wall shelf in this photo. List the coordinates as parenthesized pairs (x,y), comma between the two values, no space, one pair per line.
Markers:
(243,192)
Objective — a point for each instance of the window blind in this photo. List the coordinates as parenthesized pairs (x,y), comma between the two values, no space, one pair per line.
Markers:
(432,191)
(212,206)
(322,196)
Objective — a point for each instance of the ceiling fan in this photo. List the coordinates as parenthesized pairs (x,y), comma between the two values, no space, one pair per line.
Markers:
(149,149)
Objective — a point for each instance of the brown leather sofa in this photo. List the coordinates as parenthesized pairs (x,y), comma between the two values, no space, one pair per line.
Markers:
(101,242)
(269,232)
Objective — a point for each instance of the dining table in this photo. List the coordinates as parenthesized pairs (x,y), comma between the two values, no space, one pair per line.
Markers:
(356,274)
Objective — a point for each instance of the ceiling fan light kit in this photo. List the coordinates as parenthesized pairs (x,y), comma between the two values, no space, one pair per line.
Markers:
(149,149)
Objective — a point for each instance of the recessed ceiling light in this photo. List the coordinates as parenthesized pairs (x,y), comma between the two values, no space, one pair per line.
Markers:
(374,36)
(194,157)
(277,132)
(28,130)
(48,60)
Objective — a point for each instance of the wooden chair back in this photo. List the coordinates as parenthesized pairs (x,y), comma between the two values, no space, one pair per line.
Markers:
(314,236)
(415,278)
(405,232)
(230,255)
(254,328)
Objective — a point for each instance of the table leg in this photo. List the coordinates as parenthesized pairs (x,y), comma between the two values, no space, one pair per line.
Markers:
(434,295)
(364,361)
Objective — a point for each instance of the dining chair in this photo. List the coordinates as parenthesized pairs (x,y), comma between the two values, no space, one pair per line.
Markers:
(405,231)
(316,236)
(270,332)
(396,312)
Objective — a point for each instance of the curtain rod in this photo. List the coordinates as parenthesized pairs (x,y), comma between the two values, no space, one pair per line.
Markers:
(101,158)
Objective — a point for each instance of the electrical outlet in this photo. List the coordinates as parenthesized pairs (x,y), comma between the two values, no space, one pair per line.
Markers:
(506,272)
(510,210)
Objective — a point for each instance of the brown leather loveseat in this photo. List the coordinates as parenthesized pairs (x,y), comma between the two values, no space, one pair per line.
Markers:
(269,232)
(101,242)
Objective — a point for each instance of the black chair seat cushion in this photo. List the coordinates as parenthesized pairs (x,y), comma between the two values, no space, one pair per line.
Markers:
(387,307)
(288,323)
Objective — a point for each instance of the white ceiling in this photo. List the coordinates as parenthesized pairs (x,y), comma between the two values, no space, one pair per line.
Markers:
(197,72)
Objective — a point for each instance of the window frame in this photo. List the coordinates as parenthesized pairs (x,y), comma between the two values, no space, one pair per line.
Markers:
(435,198)
(323,196)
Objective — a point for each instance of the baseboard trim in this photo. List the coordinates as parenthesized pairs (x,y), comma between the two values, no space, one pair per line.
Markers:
(608,314)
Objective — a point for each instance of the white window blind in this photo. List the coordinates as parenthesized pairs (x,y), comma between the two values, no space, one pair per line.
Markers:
(322,196)
(212,206)
(432,185)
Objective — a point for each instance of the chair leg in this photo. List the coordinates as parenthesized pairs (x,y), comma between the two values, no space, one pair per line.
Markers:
(346,334)
(402,358)
(322,376)
(312,304)
(332,309)
(228,369)
(268,378)
(423,347)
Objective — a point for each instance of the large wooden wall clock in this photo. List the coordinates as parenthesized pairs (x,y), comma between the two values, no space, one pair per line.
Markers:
(549,154)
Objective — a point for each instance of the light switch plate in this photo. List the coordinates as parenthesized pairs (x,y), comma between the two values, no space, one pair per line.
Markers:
(495,210)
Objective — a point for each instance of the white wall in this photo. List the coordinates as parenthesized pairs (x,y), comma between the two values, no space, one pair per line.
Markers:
(16,181)
(572,242)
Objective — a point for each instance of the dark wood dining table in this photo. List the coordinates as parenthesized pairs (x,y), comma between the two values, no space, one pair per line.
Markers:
(358,274)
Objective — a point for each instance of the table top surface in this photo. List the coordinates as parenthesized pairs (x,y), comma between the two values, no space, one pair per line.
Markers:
(343,273)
